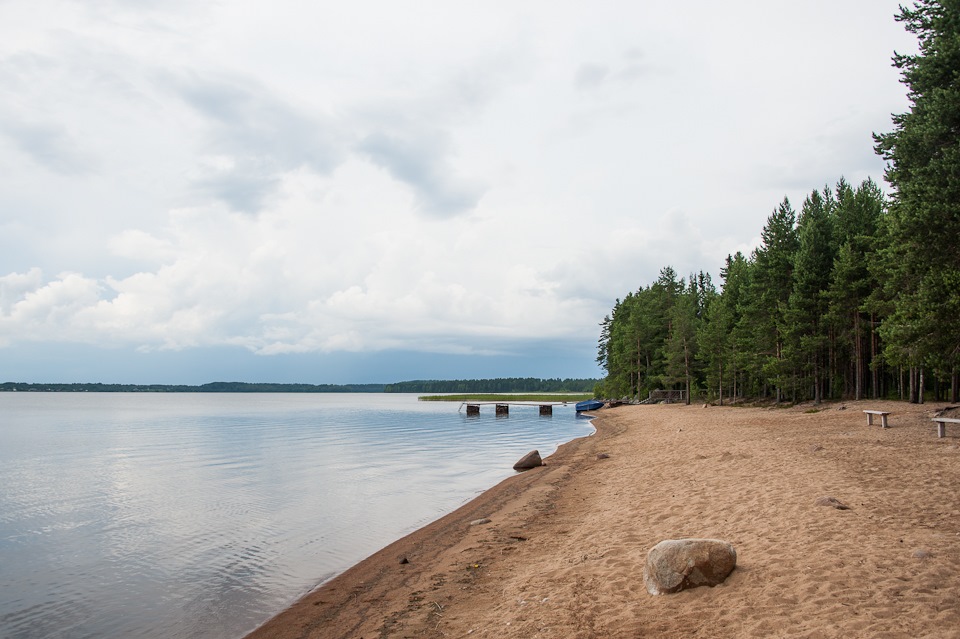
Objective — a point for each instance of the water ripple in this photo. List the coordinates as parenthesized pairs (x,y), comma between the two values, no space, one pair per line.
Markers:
(135,515)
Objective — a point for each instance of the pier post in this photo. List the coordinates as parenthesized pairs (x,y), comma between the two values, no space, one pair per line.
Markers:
(473,409)
(546,410)
(503,409)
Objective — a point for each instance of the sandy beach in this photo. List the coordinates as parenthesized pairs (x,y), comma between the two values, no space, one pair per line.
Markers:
(562,554)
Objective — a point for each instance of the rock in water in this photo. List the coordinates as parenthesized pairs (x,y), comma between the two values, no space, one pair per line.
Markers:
(678,564)
(528,461)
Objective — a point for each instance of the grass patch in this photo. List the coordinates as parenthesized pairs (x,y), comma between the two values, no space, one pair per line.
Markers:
(519,397)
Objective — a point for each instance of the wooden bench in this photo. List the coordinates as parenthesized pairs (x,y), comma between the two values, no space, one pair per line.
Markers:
(942,424)
(882,414)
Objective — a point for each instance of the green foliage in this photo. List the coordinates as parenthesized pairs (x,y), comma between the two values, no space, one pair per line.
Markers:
(715,333)
(923,155)
(849,300)
(807,338)
(792,322)
(854,304)
(764,303)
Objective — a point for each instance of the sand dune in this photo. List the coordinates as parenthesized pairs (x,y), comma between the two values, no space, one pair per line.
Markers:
(563,552)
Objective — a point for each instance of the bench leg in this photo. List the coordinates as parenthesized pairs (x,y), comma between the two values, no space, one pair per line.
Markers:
(869,419)
(941,429)
(883,421)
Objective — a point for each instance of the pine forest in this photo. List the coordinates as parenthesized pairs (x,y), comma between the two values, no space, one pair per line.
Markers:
(856,295)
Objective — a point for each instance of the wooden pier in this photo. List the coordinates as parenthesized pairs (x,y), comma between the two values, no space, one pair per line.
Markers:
(502,409)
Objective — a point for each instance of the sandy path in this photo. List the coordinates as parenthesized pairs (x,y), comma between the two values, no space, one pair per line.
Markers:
(564,551)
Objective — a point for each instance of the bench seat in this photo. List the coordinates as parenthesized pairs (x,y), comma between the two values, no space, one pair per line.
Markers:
(883,417)
(942,424)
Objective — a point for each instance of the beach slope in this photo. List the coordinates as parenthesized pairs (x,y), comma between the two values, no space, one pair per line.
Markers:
(562,554)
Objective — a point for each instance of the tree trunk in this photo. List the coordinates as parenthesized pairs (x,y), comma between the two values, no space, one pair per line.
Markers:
(720,384)
(639,365)
(874,364)
(916,385)
(817,393)
(858,357)
(920,389)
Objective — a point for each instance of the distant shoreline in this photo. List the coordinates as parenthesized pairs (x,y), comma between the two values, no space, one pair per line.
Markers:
(215,387)
(498,386)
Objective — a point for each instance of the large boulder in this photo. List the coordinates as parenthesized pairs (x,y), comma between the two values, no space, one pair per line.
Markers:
(528,461)
(677,564)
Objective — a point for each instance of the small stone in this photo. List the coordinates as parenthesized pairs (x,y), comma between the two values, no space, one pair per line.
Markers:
(603,456)
(922,554)
(404,560)
(479,522)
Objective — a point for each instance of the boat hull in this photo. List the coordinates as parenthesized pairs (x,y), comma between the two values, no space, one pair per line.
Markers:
(590,404)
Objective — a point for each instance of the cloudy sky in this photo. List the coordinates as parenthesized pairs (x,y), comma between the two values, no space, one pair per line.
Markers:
(376,190)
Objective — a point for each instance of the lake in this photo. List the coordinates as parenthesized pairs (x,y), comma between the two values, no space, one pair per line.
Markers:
(202,515)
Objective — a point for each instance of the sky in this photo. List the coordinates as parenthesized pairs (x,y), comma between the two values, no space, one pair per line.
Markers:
(379,191)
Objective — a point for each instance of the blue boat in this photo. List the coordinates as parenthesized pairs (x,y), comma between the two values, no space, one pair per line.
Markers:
(590,404)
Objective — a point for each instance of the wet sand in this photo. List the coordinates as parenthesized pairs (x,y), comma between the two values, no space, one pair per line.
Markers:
(563,552)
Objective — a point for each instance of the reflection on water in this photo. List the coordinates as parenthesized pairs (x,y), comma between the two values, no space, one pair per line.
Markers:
(200,515)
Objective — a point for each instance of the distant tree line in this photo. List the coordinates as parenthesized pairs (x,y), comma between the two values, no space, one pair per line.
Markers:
(499,385)
(509,385)
(213,387)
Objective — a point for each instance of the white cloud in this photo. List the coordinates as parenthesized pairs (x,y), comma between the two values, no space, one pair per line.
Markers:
(15,286)
(360,177)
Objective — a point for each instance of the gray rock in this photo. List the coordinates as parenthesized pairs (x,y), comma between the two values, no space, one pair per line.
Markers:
(479,522)
(678,564)
(528,461)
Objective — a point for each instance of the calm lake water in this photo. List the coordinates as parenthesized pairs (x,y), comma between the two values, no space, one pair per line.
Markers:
(202,515)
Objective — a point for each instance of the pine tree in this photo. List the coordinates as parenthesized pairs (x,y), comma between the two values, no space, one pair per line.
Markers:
(680,345)
(851,315)
(763,323)
(923,155)
(806,333)
(716,335)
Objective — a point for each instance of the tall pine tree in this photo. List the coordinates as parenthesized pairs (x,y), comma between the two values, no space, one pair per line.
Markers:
(923,156)
(763,313)
(806,333)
